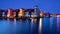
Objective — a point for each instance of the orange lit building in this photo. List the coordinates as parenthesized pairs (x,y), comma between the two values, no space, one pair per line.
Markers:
(10,13)
(41,14)
(21,12)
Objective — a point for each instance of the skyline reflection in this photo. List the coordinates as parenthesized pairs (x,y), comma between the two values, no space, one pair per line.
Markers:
(33,26)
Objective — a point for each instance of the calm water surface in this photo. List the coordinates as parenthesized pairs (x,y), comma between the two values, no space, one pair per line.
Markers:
(33,26)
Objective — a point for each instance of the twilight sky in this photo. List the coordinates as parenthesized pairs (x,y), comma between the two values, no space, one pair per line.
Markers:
(52,6)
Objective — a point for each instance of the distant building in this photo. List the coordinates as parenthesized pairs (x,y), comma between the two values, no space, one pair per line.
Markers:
(4,14)
(17,11)
(21,12)
(1,13)
(27,13)
(41,14)
(53,15)
(47,14)
(58,15)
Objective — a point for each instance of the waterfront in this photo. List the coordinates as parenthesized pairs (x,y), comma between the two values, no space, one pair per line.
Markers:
(33,26)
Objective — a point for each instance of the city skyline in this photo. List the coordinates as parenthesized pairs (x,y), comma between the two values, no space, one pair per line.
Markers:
(52,6)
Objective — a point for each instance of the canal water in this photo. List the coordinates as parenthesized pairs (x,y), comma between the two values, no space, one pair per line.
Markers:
(33,26)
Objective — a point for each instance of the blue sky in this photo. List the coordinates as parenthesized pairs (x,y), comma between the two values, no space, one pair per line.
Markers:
(52,6)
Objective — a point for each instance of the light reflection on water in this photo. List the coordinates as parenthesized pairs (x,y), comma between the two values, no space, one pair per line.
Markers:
(15,22)
(30,26)
(40,26)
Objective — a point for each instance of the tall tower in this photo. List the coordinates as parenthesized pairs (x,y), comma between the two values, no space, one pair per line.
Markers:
(36,10)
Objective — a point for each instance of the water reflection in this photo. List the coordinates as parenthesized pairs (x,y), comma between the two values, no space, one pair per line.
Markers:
(58,25)
(15,22)
(33,26)
(33,20)
(27,26)
(11,26)
(40,26)
(51,22)
(12,21)
(21,20)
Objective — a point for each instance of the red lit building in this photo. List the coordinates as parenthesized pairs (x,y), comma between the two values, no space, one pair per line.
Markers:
(10,13)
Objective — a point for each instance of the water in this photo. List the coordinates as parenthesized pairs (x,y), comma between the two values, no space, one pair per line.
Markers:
(33,26)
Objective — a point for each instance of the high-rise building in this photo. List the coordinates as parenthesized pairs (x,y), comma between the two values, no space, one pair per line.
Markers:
(36,10)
